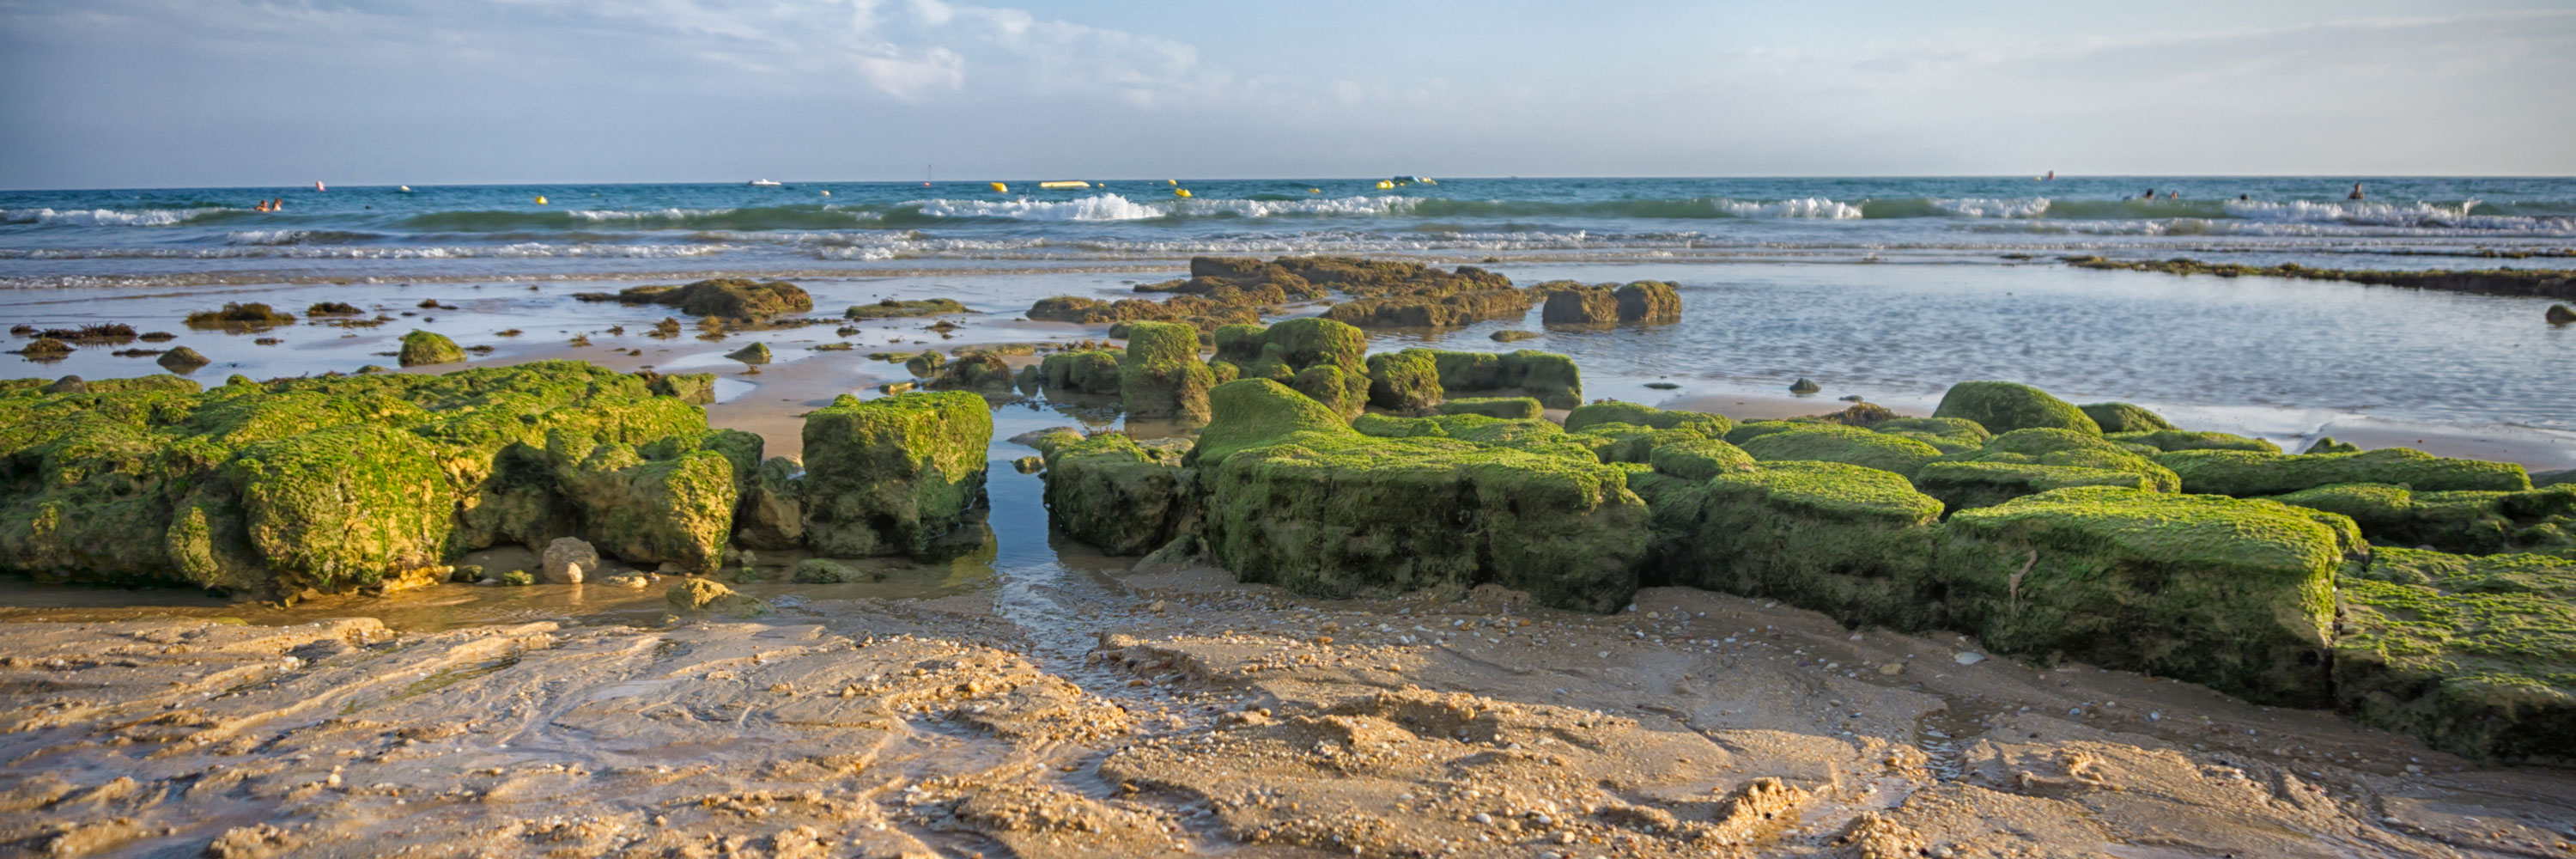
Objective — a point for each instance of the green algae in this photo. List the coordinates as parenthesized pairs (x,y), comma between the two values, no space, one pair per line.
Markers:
(421,348)
(1160,375)
(2124,417)
(2537,520)
(1405,381)
(1844,444)
(1088,371)
(1550,378)
(2256,473)
(1850,541)
(893,309)
(2488,675)
(2169,440)
(891,475)
(1119,496)
(2233,594)
(2006,406)
(1614,412)
(1493,407)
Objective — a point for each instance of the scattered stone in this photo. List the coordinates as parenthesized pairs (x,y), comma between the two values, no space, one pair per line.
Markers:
(1804,386)
(421,348)
(567,559)
(756,353)
(2560,314)
(1514,335)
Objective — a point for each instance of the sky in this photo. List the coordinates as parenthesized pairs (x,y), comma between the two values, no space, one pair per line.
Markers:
(220,93)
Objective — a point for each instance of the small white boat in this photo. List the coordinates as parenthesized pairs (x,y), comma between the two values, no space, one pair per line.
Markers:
(403,188)
(761,183)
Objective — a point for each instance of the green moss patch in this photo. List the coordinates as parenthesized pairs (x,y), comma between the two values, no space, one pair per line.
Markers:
(2256,473)
(1844,444)
(892,475)
(2006,406)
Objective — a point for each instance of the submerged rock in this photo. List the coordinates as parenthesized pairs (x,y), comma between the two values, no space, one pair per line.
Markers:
(1509,335)
(892,309)
(2559,314)
(1804,386)
(756,353)
(236,315)
(421,348)
(727,298)
(181,359)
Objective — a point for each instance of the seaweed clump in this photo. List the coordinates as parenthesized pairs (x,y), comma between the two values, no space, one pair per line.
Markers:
(237,315)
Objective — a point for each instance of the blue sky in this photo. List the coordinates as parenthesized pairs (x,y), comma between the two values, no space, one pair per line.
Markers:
(130,93)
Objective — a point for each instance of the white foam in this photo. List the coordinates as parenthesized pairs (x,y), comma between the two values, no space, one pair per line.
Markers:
(1105,207)
(102,217)
(1811,207)
(1986,207)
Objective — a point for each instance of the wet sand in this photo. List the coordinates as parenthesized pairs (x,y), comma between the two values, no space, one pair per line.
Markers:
(1035,699)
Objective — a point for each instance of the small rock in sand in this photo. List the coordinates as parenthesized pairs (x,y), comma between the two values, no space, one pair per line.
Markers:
(1968,658)
(566,559)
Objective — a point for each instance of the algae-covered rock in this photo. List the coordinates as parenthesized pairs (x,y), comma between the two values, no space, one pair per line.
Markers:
(925,364)
(2170,440)
(1614,412)
(888,476)
(2253,473)
(1577,304)
(340,506)
(2328,444)
(2124,417)
(1492,407)
(421,348)
(772,512)
(729,298)
(2234,594)
(1116,495)
(892,309)
(756,353)
(155,382)
(1089,371)
(1649,301)
(2506,573)
(2480,674)
(1405,381)
(2029,461)
(693,388)
(1850,541)
(673,507)
(1550,378)
(2559,314)
(1844,444)
(1161,376)
(703,595)
(181,359)
(1321,358)
(1960,429)
(1297,498)
(817,571)
(237,315)
(2006,406)
(974,371)
(2536,520)
(1635,444)
(1431,311)
(1699,459)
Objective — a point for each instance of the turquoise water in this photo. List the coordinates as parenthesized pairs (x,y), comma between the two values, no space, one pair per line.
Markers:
(170,237)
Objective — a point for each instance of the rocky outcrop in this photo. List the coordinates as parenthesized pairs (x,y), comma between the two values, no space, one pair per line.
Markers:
(726,298)
(890,476)
(422,348)
(1160,375)
(2007,406)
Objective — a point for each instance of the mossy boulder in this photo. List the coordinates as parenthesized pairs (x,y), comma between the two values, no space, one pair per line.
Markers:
(2234,594)
(1614,412)
(2536,520)
(1959,429)
(1161,376)
(422,348)
(334,483)
(2257,473)
(2328,444)
(1319,357)
(2006,406)
(893,309)
(1088,371)
(926,364)
(891,475)
(1850,541)
(1634,444)
(1844,444)
(1431,311)
(1577,304)
(1297,498)
(1750,430)
(2124,417)
(1699,459)
(1550,378)
(1492,407)
(675,506)
(1117,495)
(2170,440)
(693,388)
(2505,573)
(1406,381)
(2484,674)
(2030,461)
(1649,301)
(974,371)
(772,512)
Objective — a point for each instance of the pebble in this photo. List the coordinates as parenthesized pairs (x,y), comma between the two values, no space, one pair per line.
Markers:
(1968,658)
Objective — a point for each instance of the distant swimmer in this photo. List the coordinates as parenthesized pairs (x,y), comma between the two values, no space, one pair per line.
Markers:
(277,205)
(2051,177)
(2173,195)
(2356,192)
(262,207)
(2244,198)
(2149,195)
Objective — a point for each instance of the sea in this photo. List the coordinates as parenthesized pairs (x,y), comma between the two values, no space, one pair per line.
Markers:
(192,236)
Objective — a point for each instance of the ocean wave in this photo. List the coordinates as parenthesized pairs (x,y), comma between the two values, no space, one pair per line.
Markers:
(108,217)
(1105,207)
(521,250)
(298,237)
(746,218)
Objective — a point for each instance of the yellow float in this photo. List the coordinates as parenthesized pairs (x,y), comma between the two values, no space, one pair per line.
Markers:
(1000,188)
(541,199)
(1066,184)
(1180,192)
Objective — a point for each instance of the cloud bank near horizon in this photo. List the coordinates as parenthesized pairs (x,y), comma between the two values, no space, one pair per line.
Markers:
(221,92)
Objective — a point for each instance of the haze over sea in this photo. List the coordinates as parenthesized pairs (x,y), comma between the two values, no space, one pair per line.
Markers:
(192,236)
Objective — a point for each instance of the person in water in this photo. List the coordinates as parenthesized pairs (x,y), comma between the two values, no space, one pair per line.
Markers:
(2356,192)
(262,207)
(2149,195)
(2244,197)
(2173,195)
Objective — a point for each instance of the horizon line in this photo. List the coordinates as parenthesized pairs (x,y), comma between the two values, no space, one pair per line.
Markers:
(1167,179)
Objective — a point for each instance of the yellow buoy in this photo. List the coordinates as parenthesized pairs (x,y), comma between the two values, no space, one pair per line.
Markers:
(1000,188)
(1171,181)
(1181,192)
(827,193)
(541,199)
(1314,190)
(1065,184)
(1384,184)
